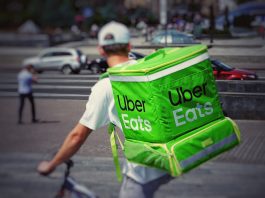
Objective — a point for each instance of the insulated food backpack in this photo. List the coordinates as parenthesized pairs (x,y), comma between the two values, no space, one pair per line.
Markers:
(169,110)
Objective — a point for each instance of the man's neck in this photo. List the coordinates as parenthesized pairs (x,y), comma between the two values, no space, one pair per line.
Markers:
(116,59)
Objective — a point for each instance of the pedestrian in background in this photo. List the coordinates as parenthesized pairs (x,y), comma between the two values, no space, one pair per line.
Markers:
(138,181)
(25,79)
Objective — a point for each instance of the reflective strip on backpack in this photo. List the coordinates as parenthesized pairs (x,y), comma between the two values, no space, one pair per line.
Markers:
(209,150)
(162,73)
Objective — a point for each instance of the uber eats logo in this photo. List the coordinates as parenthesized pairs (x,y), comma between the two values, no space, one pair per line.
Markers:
(136,123)
(181,96)
(181,101)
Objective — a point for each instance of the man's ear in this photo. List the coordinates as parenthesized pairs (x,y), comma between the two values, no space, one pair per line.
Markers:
(101,51)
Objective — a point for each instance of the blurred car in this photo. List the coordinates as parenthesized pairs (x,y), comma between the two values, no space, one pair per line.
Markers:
(66,60)
(172,37)
(223,71)
(100,65)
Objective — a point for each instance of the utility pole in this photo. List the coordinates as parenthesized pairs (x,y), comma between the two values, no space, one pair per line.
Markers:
(163,17)
(212,23)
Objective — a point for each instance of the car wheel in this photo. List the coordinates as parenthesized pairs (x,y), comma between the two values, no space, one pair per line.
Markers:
(94,69)
(67,69)
(76,71)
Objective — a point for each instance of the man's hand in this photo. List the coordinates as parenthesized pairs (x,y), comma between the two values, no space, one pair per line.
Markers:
(45,168)
(72,143)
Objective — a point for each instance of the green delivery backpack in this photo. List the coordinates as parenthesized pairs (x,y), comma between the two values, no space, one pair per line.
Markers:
(169,110)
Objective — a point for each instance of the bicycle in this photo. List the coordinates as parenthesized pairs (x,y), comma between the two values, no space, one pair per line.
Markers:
(71,188)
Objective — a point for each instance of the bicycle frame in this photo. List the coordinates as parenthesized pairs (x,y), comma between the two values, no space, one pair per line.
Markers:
(72,189)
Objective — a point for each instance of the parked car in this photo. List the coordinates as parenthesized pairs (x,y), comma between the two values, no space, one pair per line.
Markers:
(223,71)
(67,60)
(172,37)
(100,65)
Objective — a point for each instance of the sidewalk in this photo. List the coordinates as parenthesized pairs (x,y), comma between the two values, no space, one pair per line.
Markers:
(238,173)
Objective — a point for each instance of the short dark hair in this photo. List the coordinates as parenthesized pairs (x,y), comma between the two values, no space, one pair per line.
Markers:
(116,49)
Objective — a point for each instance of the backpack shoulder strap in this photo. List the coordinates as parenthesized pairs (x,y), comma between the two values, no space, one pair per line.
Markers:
(114,146)
(113,135)
(104,75)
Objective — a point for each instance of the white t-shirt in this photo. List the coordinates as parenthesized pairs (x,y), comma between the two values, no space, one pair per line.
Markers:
(100,111)
(24,82)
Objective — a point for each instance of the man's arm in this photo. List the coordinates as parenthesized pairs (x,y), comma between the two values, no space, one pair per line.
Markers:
(71,145)
(33,73)
(34,79)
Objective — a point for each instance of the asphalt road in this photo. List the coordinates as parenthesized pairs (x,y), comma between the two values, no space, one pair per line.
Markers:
(237,173)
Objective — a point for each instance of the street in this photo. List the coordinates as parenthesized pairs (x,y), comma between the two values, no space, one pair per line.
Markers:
(60,102)
(238,173)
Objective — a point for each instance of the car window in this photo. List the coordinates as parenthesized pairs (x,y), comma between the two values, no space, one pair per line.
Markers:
(62,54)
(222,66)
(182,39)
(157,39)
(167,39)
(52,54)
(132,56)
(48,54)
(179,39)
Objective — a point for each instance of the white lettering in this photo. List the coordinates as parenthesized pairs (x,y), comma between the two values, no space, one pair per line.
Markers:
(192,113)
(177,118)
(148,126)
(140,120)
(125,122)
(199,107)
(208,108)
(134,124)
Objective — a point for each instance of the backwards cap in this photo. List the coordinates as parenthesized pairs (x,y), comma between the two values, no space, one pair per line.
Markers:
(113,33)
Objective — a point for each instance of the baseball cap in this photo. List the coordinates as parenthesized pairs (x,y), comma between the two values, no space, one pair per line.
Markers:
(113,33)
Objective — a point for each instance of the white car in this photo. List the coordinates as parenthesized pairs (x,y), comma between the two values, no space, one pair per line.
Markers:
(67,60)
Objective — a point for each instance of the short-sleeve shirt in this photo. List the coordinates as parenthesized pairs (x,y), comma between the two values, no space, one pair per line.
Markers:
(24,82)
(100,111)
